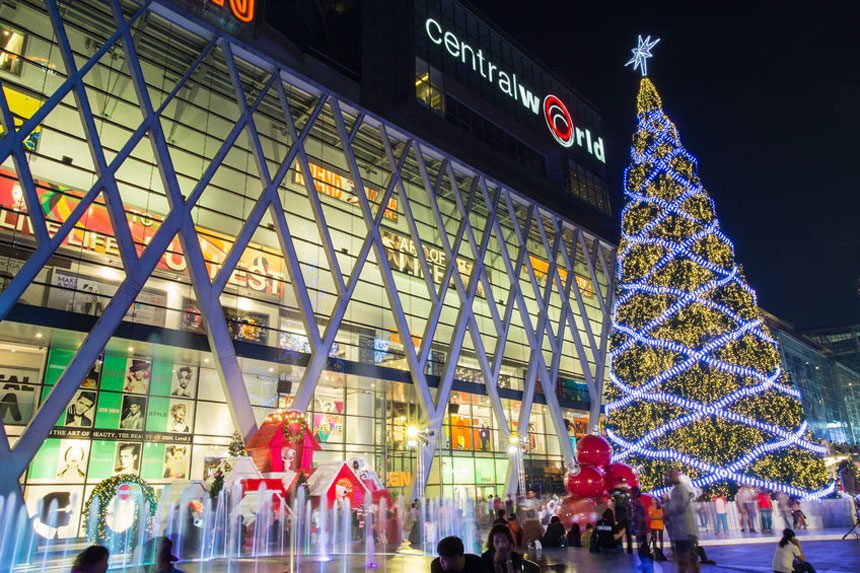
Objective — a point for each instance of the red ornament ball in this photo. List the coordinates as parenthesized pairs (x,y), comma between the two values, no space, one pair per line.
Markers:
(594,450)
(579,510)
(588,482)
(619,475)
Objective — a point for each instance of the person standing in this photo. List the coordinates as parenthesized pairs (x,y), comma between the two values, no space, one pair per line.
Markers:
(516,530)
(622,519)
(787,551)
(783,505)
(749,501)
(741,498)
(681,519)
(655,524)
(509,504)
(765,507)
(722,515)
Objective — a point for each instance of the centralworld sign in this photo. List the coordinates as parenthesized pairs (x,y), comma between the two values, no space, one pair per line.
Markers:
(557,117)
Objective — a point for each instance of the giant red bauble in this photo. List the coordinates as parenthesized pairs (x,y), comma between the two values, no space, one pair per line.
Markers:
(588,482)
(594,450)
(579,510)
(619,475)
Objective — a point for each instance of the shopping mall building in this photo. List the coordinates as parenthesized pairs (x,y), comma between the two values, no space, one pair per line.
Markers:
(380,213)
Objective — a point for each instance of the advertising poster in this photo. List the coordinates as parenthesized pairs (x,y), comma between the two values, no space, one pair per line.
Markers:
(249,326)
(58,360)
(23,107)
(114,371)
(127,458)
(170,415)
(18,394)
(183,382)
(176,461)
(192,318)
(75,293)
(60,461)
(328,428)
(81,411)
(133,412)
(54,510)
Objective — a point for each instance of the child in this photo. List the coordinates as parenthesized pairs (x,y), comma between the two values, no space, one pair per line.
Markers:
(798,517)
(655,520)
(586,536)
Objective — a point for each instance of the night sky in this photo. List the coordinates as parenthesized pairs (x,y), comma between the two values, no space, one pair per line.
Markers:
(765,94)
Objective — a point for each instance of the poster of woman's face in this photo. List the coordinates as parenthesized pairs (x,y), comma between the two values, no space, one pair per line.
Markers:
(127,459)
(180,416)
(137,375)
(184,383)
(82,410)
(176,460)
(133,413)
(72,462)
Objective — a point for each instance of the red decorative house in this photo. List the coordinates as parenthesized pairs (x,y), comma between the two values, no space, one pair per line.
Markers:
(284,443)
(336,481)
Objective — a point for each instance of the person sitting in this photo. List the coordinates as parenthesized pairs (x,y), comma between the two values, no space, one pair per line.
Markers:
(93,559)
(532,531)
(516,530)
(788,557)
(453,557)
(608,532)
(166,558)
(574,537)
(586,535)
(554,533)
(500,556)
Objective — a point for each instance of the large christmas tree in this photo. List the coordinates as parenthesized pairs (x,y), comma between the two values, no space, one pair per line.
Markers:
(696,377)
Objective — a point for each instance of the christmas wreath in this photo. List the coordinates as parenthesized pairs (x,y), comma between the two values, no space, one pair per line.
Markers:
(103,496)
(295,426)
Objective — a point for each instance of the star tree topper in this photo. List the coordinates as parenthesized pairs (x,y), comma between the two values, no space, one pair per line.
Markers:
(641,53)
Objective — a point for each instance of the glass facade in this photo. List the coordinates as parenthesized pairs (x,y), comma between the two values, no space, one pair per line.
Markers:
(192,235)
(830,390)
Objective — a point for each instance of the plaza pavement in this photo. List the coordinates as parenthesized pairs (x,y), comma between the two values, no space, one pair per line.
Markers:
(829,556)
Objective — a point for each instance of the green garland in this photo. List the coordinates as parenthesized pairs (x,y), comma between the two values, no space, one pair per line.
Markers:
(104,493)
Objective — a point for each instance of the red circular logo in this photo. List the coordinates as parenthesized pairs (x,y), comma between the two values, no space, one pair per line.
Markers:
(558,120)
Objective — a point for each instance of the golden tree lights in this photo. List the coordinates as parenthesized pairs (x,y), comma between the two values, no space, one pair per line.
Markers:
(696,379)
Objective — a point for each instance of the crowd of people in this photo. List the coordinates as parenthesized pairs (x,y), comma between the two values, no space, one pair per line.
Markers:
(632,522)
(627,525)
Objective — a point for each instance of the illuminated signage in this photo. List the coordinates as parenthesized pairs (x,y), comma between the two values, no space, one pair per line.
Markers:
(242,10)
(339,187)
(541,267)
(556,114)
(402,255)
(259,269)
